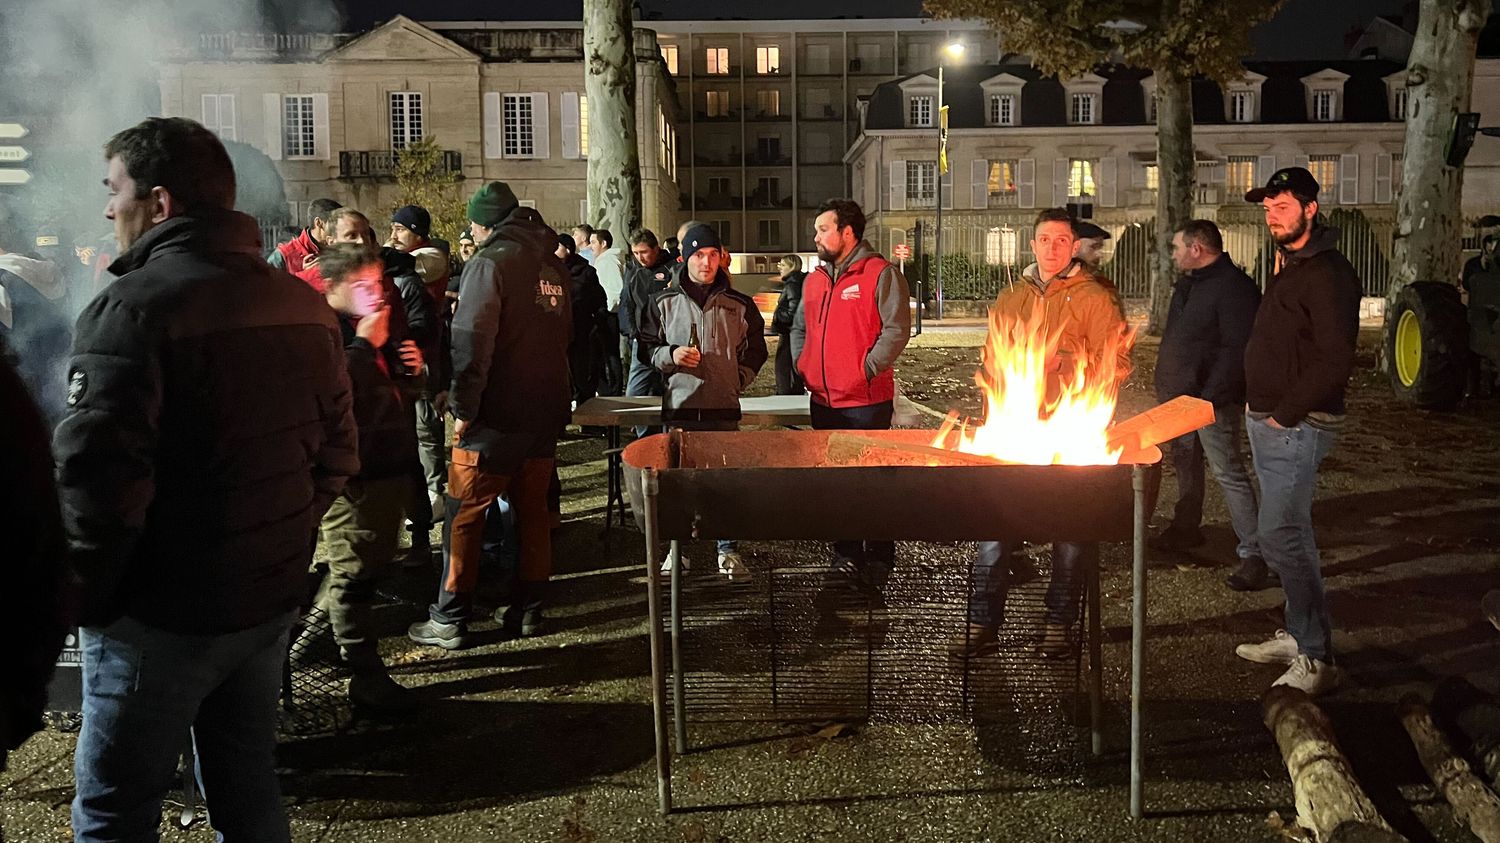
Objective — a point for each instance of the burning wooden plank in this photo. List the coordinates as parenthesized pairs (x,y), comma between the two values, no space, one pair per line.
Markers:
(1162,423)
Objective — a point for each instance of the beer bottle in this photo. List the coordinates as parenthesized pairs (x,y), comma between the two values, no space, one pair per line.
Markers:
(693,336)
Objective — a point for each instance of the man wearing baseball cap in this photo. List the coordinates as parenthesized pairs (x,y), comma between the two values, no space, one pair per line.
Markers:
(1090,247)
(1297,366)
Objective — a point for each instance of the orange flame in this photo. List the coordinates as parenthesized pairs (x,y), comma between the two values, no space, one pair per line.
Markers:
(1046,400)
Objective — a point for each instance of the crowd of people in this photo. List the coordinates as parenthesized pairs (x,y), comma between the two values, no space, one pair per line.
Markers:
(226,413)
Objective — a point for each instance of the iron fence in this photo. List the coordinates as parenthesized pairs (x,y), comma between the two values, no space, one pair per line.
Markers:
(982,256)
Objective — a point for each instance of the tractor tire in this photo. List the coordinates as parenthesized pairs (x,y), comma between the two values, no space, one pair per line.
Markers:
(1427,346)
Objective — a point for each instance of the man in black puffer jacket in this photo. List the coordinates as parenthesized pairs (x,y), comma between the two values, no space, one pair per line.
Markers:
(509,400)
(1203,355)
(208,428)
(588,303)
(788,379)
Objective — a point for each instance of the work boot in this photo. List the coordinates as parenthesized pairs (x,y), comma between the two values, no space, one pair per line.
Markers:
(375,690)
(523,617)
(1056,641)
(449,636)
(978,640)
(1252,575)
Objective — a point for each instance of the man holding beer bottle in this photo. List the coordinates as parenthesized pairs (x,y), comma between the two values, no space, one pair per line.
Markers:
(708,341)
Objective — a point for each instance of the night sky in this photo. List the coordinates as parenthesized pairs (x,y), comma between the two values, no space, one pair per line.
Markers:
(1304,29)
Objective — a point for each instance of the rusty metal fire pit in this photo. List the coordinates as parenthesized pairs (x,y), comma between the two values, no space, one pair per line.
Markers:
(739,485)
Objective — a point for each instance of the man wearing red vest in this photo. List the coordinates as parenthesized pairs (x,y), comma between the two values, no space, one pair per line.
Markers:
(854,321)
(299,255)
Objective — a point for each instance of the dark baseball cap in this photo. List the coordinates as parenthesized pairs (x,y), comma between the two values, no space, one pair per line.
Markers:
(1087,230)
(1295,179)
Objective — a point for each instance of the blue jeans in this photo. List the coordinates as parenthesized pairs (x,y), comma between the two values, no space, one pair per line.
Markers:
(1221,445)
(1286,460)
(644,379)
(145,692)
(989,581)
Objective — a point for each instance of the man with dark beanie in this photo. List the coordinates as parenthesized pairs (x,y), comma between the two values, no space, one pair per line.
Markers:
(509,400)
(1297,366)
(411,226)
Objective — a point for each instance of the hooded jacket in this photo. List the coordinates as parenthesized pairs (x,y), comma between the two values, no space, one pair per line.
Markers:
(1208,322)
(731,338)
(209,426)
(642,284)
(1301,349)
(1079,304)
(854,322)
(35,328)
(510,345)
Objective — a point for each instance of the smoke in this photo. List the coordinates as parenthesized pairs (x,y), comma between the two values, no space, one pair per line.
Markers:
(78,71)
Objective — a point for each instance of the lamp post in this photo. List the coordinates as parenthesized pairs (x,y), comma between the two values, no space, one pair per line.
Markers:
(956,51)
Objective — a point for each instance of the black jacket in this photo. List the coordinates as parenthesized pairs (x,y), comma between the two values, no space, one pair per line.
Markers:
(587,298)
(510,345)
(786,306)
(642,283)
(414,316)
(1203,347)
(209,427)
(1301,349)
(387,435)
(32,616)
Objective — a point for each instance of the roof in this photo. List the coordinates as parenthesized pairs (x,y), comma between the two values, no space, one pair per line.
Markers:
(360,14)
(1124,101)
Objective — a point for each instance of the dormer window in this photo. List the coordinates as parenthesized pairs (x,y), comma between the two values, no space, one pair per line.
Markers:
(1324,95)
(1242,106)
(1002,109)
(1325,103)
(919,112)
(1398,102)
(1083,97)
(1002,99)
(1242,98)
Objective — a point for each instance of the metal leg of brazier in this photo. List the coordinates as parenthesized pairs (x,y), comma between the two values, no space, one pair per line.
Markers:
(679,705)
(658,668)
(1137,643)
(1096,665)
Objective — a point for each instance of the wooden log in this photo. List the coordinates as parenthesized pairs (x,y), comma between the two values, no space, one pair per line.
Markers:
(1162,423)
(1472,801)
(1474,714)
(1329,800)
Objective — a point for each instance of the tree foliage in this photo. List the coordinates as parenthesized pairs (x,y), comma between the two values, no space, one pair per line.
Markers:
(1070,37)
(422,178)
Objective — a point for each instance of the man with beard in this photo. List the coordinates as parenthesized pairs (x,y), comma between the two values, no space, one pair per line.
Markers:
(209,427)
(301,252)
(649,274)
(1297,366)
(854,322)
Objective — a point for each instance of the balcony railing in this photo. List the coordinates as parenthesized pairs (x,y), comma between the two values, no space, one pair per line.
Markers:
(381,163)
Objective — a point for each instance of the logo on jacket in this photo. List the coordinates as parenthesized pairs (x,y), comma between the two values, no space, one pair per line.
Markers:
(78,384)
(548,294)
(850,294)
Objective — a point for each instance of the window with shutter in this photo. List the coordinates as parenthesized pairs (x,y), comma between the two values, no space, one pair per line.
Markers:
(299,139)
(518,130)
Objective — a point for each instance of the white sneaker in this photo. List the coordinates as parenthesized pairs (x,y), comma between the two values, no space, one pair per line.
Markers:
(666,565)
(732,566)
(1310,676)
(439,507)
(1280,648)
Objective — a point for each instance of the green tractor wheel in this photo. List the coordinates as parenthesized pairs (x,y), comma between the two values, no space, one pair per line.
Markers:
(1427,346)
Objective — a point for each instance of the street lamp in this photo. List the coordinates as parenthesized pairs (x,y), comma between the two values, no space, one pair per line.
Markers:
(955,51)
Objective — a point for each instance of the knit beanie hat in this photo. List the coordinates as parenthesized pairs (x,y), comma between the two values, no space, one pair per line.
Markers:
(414,217)
(699,237)
(492,203)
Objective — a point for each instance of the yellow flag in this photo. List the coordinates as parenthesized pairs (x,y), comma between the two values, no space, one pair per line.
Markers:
(943,141)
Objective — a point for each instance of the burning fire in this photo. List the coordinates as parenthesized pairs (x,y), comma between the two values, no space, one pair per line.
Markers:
(1045,401)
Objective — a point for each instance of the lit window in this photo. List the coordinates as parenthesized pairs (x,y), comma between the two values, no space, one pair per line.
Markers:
(583,125)
(767,60)
(1001,184)
(1081,179)
(920,111)
(1239,174)
(718,103)
(1325,168)
(1153,177)
(669,56)
(718,61)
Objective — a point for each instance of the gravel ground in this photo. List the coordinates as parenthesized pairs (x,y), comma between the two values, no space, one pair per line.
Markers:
(551,738)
